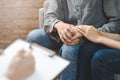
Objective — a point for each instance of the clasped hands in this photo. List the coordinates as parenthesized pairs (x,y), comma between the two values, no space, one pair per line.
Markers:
(72,35)
(68,33)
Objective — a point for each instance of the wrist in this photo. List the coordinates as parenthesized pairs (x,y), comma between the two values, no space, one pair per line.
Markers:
(100,39)
(57,25)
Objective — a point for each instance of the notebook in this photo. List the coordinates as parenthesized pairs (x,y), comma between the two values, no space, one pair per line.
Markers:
(48,65)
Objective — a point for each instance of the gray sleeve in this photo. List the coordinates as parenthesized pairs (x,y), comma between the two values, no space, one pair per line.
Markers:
(53,15)
(112,13)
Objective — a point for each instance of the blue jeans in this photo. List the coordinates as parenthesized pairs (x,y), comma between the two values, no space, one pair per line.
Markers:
(70,53)
(86,52)
(105,64)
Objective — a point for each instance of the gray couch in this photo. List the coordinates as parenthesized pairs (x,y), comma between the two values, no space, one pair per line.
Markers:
(41,13)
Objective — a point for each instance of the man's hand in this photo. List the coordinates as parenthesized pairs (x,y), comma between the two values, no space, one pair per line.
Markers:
(68,33)
(21,66)
(63,31)
(77,36)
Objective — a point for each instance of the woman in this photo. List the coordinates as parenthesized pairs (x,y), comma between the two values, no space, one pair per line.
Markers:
(105,63)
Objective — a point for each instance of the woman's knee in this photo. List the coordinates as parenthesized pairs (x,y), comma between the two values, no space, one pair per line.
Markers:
(104,55)
(102,58)
(99,58)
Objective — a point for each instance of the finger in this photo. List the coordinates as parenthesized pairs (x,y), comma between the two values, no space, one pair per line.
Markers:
(83,32)
(74,42)
(75,37)
(69,35)
(71,31)
(64,38)
(81,28)
(61,38)
(71,44)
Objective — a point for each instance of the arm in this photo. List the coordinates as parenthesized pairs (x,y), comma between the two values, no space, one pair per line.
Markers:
(111,35)
(53,15)
(54,23)
(95,36)
(110,42)
(112,13)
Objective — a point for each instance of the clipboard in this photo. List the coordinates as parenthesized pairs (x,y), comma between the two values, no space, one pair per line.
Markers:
(48,65)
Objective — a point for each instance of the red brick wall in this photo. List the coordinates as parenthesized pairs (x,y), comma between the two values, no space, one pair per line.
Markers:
(17,19)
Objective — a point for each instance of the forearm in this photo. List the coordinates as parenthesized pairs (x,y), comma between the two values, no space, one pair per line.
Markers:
(111,35)
(110,43)
(53,15)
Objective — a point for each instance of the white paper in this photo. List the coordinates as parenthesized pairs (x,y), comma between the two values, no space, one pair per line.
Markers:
(46,68)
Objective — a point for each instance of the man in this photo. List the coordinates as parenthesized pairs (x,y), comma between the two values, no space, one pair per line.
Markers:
(61,18)
(21,67)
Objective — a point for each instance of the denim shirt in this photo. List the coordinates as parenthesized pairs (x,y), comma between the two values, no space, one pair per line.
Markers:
(103,14)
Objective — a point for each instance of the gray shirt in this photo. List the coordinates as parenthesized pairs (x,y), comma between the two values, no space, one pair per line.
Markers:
(103,14)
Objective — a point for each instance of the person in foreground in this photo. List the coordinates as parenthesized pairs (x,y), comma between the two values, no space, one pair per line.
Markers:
(105,63)
(21,67)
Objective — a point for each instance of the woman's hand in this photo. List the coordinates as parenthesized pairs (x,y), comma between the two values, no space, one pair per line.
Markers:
(90,33)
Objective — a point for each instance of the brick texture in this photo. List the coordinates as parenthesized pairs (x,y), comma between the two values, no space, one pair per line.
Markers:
(17,19)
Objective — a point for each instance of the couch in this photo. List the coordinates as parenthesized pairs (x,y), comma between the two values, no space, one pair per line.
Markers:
(41,13)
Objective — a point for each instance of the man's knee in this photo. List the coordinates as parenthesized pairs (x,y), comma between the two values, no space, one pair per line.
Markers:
(34,35)
(69,52)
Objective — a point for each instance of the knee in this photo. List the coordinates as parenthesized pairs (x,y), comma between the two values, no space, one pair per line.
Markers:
(31,36)
(69,52)
(99,59)
(34,35)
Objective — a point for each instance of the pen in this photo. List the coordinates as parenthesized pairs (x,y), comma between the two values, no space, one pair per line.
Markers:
(30,46)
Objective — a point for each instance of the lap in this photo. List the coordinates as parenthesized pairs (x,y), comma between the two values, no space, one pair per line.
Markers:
(70,52)
(40,37)
(86,52)
(108,57)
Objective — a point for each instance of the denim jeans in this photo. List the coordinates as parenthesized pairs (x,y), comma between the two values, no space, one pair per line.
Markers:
(86,52)
(70,53)
(105,64)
